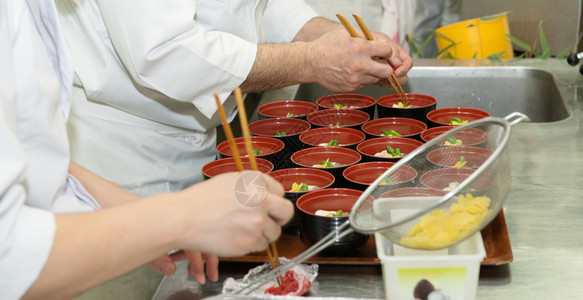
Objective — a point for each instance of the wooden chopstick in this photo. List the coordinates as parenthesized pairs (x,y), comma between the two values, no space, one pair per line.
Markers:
(370,37)
(272,248)
(229,134)
(245,129)
(393,79)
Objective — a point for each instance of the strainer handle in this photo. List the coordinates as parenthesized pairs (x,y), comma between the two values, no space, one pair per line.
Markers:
(516,117)
(326,241)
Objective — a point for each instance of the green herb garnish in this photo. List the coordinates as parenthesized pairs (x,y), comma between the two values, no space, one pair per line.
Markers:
(277,133)
(326,164)
(386,181)
(338,105)
(303,187)
(338,213)
(332,143)
(461,163)
(289,115)
(390,133)
(457,120)
(257,152)
(451,139)
(338,124)
(394,152)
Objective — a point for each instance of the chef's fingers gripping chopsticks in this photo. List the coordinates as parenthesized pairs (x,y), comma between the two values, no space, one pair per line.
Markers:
(271,249)
(395,85)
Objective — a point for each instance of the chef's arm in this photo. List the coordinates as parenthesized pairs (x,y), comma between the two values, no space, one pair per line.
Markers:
(314,29)
(335,60)
(106,193)
(324,52)
(91,248)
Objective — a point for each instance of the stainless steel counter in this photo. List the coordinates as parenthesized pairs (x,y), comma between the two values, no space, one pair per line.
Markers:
(544,214)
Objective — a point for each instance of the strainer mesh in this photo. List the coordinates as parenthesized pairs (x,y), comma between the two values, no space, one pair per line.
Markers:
(433,177)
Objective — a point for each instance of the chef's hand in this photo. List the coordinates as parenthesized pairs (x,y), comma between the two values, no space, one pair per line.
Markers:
(342,63)
(198,263)
(400,61)
(233,214)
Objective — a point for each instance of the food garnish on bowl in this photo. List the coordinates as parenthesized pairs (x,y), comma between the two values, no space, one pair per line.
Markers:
(341,106)
(338,124)
(389,132)
(390,152)
(279,133)
(464,163)
(454,184)
(330,213)
(457,121)
(330,143)
(401,105)
(386,181)
(328,164)
(452,141)
(303,187)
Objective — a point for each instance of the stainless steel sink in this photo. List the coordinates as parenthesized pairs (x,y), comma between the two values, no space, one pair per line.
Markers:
(497,90)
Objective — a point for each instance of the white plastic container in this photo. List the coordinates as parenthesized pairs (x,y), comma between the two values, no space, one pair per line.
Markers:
(450,273)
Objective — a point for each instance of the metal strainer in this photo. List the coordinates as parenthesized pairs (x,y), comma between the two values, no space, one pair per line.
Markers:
(458,190)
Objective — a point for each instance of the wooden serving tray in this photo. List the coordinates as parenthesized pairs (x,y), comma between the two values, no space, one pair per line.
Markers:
(497,242)
(495,236)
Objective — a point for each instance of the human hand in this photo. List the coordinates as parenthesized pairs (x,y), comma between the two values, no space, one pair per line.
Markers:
(166,264)
(400,60)
(233,214)
(342,63)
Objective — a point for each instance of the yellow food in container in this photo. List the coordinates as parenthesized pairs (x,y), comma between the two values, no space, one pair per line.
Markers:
(440,228)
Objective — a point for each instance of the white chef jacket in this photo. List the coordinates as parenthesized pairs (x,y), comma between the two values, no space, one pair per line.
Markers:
(35,79)
(143,112)
(393,17)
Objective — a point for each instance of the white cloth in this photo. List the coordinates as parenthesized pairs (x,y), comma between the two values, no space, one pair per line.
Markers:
(398,20)
(143,112)
(35,79)
(392,17)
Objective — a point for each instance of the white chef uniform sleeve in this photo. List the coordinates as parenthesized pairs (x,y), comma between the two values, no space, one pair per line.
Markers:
(25,232)
(284,19)
(164,49)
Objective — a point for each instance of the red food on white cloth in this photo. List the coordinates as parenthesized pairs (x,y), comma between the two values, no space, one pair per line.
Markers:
(292,284)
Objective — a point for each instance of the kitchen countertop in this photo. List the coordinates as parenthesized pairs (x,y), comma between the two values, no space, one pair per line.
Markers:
(544,213)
